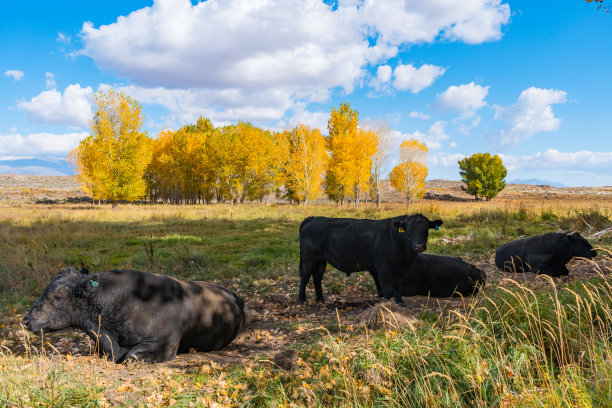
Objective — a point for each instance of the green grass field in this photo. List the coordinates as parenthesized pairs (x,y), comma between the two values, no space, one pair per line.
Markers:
(521,342)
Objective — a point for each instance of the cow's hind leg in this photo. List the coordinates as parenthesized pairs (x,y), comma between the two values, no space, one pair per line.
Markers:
(307,268)
(317,277)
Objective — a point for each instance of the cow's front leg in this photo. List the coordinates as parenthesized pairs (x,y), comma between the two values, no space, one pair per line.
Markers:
(152,351)
(390,291)
(106,344)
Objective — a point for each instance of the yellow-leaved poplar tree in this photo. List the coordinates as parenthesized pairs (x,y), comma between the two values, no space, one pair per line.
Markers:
(342,121)
(408,177)
(351,160)
(306,158)
(120,151)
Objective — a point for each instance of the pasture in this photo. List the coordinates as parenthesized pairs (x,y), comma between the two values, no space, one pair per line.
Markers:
(524,340)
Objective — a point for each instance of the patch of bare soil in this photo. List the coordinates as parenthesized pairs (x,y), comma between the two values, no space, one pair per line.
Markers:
(279,324)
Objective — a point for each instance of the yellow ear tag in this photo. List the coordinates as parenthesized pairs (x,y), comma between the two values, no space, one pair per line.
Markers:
(401,229)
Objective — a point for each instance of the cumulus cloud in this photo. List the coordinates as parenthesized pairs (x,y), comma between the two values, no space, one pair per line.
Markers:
(433,138)
(407,77)
(15,74)
(302,49)
(70,108)
(470,21)
(532,113)
(39,144)
(466,99)
(382,78)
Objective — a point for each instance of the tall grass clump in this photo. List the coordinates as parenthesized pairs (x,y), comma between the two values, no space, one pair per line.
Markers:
(516,346)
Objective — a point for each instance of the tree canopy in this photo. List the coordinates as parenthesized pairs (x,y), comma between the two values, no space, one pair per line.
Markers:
(483,175)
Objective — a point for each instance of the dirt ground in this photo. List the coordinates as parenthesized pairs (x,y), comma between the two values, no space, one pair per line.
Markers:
(277,323)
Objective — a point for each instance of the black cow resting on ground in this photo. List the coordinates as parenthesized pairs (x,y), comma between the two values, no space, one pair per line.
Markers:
(443,276)
(545,254)
(139,315)
(386,248)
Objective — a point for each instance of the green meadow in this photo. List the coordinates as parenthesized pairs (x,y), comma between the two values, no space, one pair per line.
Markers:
(522,341)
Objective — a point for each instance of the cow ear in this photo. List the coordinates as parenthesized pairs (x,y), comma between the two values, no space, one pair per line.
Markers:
(573,237)
(435,224)
(399,225)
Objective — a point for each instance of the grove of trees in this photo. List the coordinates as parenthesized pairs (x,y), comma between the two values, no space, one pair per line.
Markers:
(201,163)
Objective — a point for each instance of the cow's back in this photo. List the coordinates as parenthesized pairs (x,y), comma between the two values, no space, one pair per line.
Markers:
(442,276)
(345,243)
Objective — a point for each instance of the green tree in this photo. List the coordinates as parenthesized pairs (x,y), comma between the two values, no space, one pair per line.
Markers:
(484,175)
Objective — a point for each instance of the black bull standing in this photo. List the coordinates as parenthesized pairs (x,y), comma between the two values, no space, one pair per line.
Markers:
(386,248)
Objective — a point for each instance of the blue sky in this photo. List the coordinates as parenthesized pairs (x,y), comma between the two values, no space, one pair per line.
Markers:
(528,80)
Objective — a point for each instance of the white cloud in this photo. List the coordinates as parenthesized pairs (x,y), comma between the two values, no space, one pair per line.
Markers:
(383,76)
(15,74)
(531,114)
(467,98)
(39,144)
(470,21)
(452,145)
(419,115)
(407,77)
(554,159)
(50,81)
(300,49)
(70,108)
(315,120)
(449,160)
(63,38)
(433,138)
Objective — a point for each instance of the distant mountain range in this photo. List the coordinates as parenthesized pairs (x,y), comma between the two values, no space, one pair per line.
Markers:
(538,182)
(35,166)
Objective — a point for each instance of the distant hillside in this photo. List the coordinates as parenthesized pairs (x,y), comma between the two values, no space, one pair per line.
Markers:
(538,182)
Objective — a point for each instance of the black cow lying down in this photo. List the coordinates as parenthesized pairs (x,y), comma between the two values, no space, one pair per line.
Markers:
(443,276)
(138,315)
(386,248)
(545,254)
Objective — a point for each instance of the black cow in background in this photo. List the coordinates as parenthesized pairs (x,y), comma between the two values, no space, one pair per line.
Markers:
(545,254)
(139,315)
(443,276)
(386,248)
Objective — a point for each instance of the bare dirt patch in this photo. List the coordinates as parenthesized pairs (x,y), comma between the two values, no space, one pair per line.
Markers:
(278,323)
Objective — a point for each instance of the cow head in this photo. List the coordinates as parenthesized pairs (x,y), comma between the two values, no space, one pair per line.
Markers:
(580,246)
(54,309)
(413,230)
